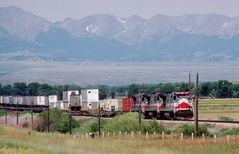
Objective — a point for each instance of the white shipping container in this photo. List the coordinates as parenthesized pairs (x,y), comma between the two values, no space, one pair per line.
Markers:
(52,99)
(28,100)
(109,104)
(18,100)
(67,94)
(94,106)
(86,106)
(60,105)
(41,100)
(1,101)
(66,106)
(6,99)
(90,95)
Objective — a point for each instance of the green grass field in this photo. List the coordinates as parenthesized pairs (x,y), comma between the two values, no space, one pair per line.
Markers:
(12,141)
(214,109)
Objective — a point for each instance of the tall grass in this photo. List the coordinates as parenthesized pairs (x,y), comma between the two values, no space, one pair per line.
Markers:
(12,141)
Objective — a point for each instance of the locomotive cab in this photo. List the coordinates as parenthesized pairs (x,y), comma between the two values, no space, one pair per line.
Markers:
(182,104)
(153,105)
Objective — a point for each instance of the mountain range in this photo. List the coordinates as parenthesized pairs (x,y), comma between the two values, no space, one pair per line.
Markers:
(201,37)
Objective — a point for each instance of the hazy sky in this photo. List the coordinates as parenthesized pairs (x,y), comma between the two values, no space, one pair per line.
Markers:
(55,10)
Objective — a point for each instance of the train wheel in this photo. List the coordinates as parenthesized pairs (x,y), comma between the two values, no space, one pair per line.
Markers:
(146,115)
(155,115)
(172,116)
(161,115)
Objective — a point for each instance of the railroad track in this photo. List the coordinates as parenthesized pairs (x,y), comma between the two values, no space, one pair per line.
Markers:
(209,121)
(191,120)
(40,109)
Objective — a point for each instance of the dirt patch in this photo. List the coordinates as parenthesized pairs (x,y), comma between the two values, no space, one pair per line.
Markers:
(24,120)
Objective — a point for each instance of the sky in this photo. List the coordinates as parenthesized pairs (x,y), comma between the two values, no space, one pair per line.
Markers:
(56,10)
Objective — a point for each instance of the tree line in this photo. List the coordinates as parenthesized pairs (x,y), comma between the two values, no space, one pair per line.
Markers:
(217,89)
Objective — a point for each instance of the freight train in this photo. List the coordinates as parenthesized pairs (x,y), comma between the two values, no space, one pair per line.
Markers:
(153,105)
(161,105)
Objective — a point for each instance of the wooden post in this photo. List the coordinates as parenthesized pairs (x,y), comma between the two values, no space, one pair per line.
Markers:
(119,134)
(103,134)
(162,135)
(203,137)
(140,109)
(228,138)
(215,138)
(181,136)
(132,134)
(17,113)
(196,106)
(192,136)
(108,134)
(147,135)
(6,116)
(70,122)
(32,114)
(99,127)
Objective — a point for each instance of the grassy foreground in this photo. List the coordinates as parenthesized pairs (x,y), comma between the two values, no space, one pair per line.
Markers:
(13,141)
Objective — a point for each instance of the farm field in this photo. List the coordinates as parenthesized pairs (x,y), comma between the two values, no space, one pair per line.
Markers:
(219,109)
(13,141)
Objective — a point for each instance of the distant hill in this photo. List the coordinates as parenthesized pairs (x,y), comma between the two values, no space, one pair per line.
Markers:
(206,37)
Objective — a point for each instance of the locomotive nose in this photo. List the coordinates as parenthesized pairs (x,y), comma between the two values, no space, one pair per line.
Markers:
(183,105)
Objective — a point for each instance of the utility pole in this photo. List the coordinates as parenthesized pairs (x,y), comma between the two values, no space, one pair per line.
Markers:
(99,119)
(70,122)
(140,109)
(196,106)
(189,79)
(32,113)
(17,113)
(6,115)
(48,118)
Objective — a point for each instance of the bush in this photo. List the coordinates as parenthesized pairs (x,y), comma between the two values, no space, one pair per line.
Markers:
(94,127)
(203,129)
(233,131)
(130,122)
(188,129)
(154,126)
(59,121)
(2,113)
(126,122)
